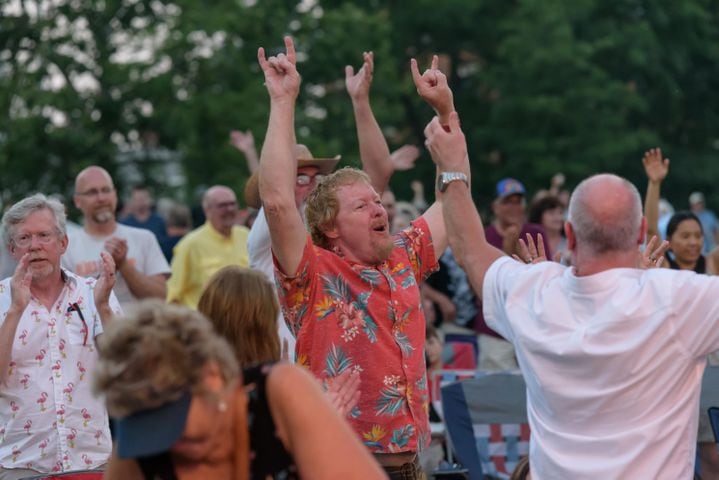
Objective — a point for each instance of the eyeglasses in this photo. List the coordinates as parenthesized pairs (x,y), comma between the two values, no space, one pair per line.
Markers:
(74,307)
(225,205)
(94,192)
(43,238)
(304,179)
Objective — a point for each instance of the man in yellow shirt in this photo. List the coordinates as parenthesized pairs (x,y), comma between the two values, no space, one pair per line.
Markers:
(205,250)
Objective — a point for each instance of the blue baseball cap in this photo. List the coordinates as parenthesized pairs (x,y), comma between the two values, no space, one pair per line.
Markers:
(153,431)
(509,186)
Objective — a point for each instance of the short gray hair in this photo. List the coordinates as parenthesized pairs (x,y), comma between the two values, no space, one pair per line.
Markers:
(19,212)
(606,230)
(155,354)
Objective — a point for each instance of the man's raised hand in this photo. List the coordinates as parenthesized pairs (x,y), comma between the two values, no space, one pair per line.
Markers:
(655,167)
(433,88)
(448,148)
(281,77)
(358,84)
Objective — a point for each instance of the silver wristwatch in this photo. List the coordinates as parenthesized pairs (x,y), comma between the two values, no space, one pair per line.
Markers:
(445,178)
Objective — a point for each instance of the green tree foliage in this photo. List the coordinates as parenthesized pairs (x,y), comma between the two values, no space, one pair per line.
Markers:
(541,86)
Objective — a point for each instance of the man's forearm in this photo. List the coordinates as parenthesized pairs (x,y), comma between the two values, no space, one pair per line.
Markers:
(373,148)
(278,165)
(466,234)
(7,335)
(141,285)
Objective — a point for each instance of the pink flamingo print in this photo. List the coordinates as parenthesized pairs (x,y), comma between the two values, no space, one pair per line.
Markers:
(56,368)
(28,424)
(40,356)
(41,401)
(51,324)
(86,417)
(16,452)
(57,467)
(86,459)
(23,337)
(71,437)
(36,315)
(61,347)
(23,381)
(60,412)
(11,368)
(68,391)
(98,436)
(81,369)
(42,446)
(14,407)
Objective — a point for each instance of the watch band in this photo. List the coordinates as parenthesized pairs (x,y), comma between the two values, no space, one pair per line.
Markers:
(445,178)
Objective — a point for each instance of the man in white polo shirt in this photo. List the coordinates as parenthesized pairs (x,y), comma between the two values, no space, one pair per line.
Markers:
(613,356)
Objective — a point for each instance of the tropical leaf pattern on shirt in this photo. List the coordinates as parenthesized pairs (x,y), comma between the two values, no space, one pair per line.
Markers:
(404,343)
(391,401)
(337,361)
(336,287)
(408,282)
(370,327)
(400,437)
(370,276)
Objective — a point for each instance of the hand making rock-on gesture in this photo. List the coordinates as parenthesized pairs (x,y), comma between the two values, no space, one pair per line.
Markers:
(281,77)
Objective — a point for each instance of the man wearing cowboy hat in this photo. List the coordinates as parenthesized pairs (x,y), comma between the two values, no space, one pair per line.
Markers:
(202,252)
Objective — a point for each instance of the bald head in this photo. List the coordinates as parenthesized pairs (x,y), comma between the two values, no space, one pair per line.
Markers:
(90,174)
(220,206)
(95,196)
(605,212)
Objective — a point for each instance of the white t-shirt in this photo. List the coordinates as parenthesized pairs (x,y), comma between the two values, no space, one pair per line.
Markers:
(259,248)
(613,364)
(143,251)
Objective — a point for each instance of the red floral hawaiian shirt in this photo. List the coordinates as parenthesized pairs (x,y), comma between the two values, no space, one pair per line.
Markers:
(369,319)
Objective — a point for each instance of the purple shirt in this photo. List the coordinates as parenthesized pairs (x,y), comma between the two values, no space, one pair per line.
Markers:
(495,239)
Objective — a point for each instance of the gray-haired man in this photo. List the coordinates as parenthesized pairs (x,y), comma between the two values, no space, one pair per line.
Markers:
(49,419)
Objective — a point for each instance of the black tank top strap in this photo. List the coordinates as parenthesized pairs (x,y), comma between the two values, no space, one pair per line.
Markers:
(267,453)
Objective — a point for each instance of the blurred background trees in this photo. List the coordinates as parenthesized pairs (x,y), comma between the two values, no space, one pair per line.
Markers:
(151,88)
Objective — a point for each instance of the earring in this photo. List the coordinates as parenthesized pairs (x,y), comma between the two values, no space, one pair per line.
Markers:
(222,406)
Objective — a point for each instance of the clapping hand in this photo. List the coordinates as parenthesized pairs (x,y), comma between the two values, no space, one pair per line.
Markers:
(343,391)
(531,252)
(652,256)
(105,281)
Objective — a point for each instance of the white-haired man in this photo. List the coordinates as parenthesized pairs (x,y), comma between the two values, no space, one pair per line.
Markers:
(612,355)
(49,419)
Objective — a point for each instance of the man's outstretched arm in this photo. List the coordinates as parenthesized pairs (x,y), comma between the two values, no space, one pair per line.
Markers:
(278,165)
(464,225)
(373,148)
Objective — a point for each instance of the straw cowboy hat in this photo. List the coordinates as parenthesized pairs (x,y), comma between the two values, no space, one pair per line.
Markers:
(304,159)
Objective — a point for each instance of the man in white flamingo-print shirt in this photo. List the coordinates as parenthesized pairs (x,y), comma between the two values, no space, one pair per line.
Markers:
(49,320)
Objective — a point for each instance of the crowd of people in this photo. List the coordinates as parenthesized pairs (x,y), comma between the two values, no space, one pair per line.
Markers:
(293,339)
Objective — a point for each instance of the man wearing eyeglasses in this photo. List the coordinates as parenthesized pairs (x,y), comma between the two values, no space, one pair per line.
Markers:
(50,422)
(141,266)
(202,252)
